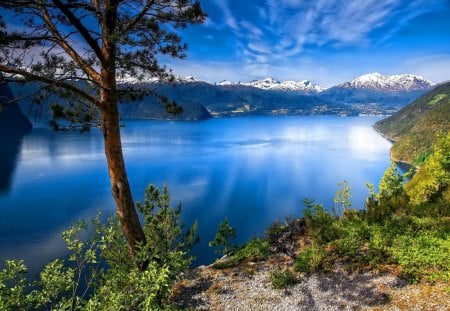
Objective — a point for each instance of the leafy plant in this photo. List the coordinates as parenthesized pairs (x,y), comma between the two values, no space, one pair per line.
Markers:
(255,249)
(167,242)
(319,222)
(310,259)
(391,184)
(342,199)
(432,181)
(100,274)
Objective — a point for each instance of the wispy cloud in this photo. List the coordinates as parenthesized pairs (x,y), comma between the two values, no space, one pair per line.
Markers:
(282,29)
(326,41)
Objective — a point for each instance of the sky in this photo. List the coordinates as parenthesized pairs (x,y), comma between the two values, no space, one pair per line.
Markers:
(324,41)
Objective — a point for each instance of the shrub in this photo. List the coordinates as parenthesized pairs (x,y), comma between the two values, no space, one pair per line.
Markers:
(319,222)
(310,259)
(424,256)
(342,199)
(432,181)
(282,278)
(102,268)
(255,249)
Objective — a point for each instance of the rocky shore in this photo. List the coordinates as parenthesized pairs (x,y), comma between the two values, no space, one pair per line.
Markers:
(248,287)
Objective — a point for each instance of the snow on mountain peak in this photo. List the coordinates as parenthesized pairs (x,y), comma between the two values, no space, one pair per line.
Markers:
(225,82)
(297,86)
(187,79)
(136,79)
(377,81)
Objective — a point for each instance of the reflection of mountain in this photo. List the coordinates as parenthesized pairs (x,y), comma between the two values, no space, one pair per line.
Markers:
(13,125)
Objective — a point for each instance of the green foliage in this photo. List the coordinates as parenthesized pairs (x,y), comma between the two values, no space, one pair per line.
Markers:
(310,259)
(319,222)
(222,238)
(353,234)
(12,286)
(413,128)
(420,159)
(167,244)
(255,249)
(342,199)
(425,256)
(432,181)
(391,183)
(282,278)
(119,285)
(390,200)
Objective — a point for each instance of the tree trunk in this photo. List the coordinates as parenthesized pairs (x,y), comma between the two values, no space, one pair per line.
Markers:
(118,176)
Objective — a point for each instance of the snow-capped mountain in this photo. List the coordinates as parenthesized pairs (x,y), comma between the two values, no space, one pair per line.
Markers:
(377,81)
(296,86)
(128,79)
(225,82)
(186,79)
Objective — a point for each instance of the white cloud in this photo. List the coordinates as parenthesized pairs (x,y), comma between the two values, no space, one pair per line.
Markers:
(288,26)
(433,67)
(229,19)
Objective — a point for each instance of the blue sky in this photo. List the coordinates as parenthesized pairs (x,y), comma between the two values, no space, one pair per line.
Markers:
(325,41)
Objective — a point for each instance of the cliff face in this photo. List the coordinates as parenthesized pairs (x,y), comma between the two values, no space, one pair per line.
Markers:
(13,125)
(12,120)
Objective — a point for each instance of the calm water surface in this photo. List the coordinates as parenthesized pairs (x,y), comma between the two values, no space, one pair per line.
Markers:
(251,170)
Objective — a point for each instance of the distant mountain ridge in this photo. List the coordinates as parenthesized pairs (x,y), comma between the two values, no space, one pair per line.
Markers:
(384,94)
(201,100)
(370,81)
(295,86)
(377,81)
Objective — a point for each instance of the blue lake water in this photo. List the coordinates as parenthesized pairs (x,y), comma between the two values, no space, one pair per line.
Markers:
(252,170)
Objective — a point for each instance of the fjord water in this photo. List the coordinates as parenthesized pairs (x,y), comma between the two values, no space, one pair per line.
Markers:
(252,170)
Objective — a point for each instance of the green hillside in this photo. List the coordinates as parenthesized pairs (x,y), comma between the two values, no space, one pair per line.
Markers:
(414,127)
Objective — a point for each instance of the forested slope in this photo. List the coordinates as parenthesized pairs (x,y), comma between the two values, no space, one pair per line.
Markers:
(415,126)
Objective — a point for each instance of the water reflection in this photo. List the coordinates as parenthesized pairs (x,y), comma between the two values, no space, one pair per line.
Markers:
(9,151)
(251,170)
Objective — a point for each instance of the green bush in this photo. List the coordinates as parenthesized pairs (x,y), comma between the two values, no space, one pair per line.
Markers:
(282,278)
(353,234)
(83,283)
(310,259)
(255,249)
(319,222)
(424,256)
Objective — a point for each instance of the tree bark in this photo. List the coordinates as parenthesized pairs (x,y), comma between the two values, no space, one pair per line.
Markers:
(118,176)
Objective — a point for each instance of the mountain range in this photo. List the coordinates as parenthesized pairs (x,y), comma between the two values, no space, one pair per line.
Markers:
(371,81)
(371,93)
(368,94)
